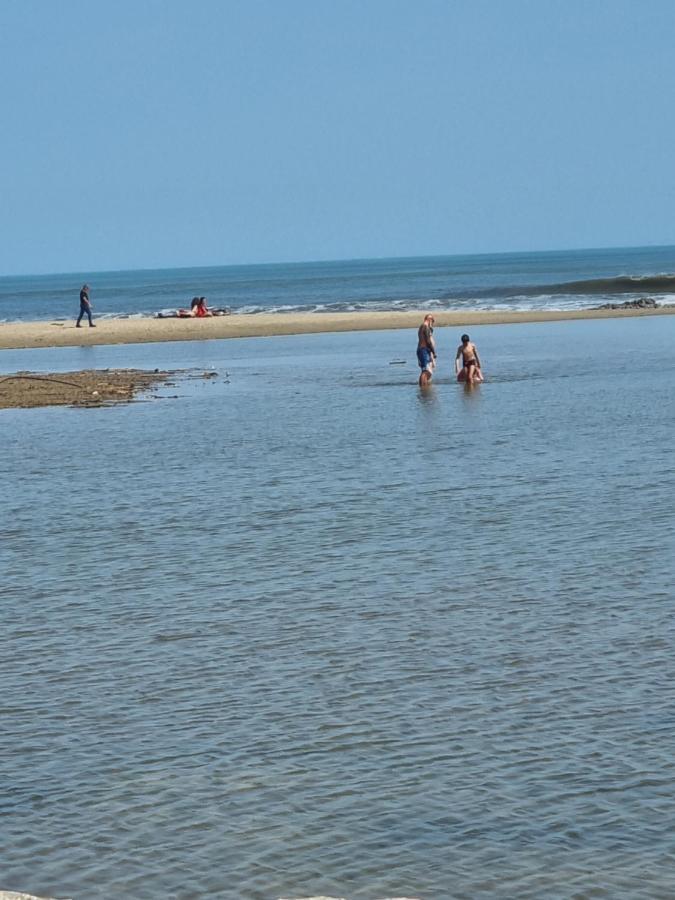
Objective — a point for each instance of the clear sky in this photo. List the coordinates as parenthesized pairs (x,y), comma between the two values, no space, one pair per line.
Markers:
(149,133)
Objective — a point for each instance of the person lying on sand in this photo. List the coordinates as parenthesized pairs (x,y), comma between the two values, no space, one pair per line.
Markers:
(189,313)
(470,361)
(198,309)
(202,310)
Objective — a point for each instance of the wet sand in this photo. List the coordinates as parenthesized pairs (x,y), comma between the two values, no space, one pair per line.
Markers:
(28,335)
(13,895)
(87,388)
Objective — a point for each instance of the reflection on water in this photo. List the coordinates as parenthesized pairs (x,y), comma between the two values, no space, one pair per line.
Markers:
(427,395)
(282,637)
(471,392)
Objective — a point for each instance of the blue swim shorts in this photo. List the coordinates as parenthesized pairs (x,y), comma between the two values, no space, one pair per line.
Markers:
(424,357)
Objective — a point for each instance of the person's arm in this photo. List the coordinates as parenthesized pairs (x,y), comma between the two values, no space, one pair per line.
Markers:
(475,353)
(432,344)
(459,353)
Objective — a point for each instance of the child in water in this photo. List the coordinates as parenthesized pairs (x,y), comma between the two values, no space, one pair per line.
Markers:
(470,361)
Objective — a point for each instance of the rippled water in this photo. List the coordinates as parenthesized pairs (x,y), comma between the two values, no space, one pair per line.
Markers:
(308,630)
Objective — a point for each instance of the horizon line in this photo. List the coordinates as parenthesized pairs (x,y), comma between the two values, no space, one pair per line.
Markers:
(348,259)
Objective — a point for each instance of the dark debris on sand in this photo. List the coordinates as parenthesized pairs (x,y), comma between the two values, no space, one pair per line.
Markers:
(641,303)
(90,388)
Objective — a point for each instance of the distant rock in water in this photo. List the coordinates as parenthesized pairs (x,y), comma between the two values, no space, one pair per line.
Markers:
(642,303)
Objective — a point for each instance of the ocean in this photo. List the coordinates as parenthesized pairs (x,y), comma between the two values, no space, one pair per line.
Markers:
(563,280)
(303,629)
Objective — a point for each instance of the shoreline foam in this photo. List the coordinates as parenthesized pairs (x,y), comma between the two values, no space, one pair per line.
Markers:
(32,335)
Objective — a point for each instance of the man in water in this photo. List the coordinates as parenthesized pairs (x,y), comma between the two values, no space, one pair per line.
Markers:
(85,306)
(426,350)
(470,361)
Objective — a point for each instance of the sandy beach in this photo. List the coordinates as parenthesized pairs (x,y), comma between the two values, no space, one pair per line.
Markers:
(28,335)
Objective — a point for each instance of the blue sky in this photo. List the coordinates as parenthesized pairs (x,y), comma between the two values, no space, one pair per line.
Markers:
(170,133)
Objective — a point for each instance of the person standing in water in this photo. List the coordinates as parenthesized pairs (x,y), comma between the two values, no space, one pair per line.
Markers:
(470,361)
(426,350)
(85,306)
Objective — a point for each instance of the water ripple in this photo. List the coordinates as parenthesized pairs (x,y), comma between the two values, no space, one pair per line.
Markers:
(371,647)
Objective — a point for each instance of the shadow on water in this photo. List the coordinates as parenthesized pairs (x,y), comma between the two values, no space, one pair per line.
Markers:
(406,383)
(382,384)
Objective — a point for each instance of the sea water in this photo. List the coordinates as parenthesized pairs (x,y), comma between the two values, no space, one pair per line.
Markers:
(561,280)
(303,628)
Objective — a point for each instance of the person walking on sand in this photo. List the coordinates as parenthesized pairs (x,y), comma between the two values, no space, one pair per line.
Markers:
(85,307)
(470,361)
(426,350)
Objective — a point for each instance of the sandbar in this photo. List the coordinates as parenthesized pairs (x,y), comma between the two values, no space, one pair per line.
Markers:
(86,388)
(30,335)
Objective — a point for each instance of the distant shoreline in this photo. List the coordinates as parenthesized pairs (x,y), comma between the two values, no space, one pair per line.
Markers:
(33,335)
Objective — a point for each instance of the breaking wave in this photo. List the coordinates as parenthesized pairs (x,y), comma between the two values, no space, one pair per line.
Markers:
(619,284)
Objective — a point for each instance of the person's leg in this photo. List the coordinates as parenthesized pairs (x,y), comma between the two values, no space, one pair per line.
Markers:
(428,371)
(79,318)
(470,372)
(91,324)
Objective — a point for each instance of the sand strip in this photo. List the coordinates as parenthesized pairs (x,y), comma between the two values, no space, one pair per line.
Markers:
(20,335)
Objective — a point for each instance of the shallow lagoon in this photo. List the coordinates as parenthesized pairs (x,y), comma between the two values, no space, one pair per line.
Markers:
(306,629)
